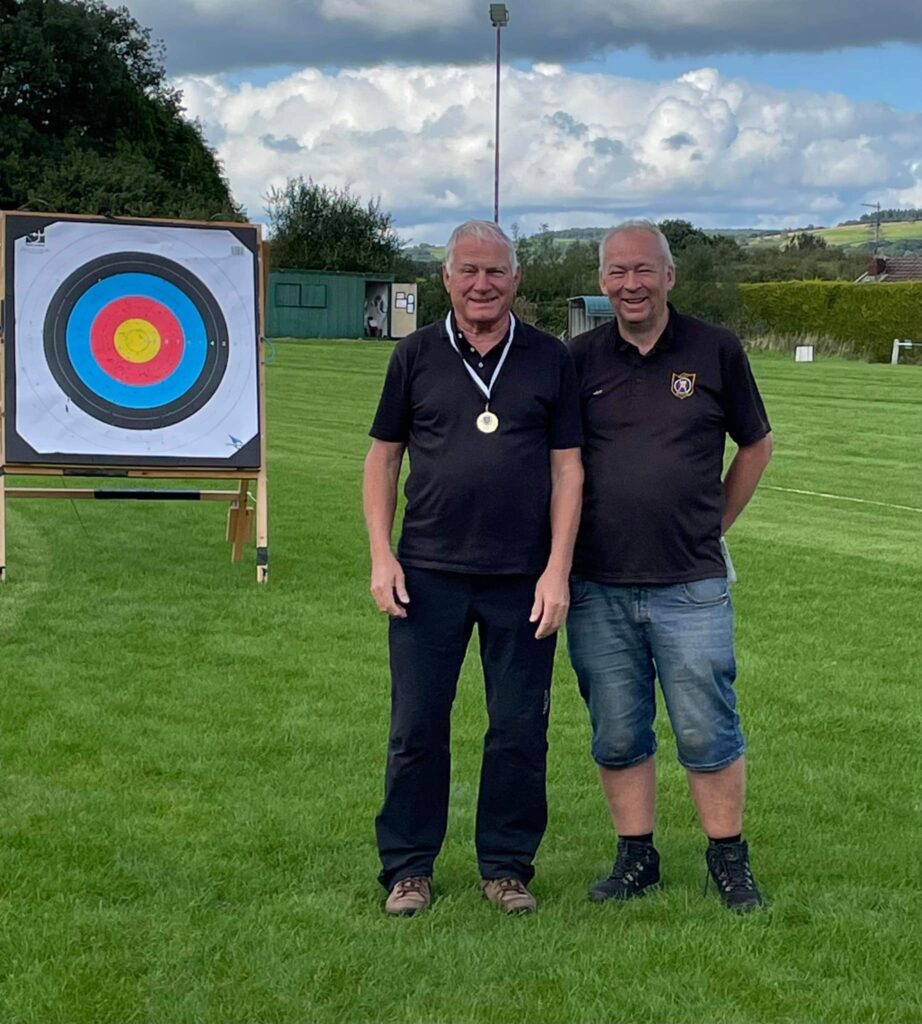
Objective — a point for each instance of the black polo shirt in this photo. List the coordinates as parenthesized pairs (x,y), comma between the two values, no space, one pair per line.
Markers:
(655,428)
(483,365)
(476,502)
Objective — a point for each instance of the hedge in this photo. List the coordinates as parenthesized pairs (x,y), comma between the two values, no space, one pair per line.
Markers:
(868,315)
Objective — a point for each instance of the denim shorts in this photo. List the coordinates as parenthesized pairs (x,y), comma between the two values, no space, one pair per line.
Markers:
(622,638)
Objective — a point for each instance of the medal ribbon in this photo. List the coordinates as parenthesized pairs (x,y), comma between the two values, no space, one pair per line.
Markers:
(485,389)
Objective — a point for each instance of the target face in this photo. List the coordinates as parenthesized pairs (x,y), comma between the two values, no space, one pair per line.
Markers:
(135,342)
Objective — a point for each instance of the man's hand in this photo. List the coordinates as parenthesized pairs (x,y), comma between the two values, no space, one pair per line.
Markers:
(379,495)
(552,599)
(388,586)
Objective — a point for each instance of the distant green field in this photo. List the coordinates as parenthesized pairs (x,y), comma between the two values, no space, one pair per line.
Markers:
(850,235)
(191,763)
(856,234)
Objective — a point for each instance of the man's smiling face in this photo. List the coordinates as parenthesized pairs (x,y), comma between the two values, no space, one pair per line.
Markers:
(636,278)
(481,282)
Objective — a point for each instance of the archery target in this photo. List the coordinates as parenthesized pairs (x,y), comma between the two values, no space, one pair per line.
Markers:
(135,341)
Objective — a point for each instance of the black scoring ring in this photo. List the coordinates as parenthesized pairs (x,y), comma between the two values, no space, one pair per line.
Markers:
(57,319)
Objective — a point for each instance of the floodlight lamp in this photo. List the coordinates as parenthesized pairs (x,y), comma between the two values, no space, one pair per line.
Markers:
(499,15)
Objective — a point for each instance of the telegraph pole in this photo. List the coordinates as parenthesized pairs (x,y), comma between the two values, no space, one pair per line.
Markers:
(875,206)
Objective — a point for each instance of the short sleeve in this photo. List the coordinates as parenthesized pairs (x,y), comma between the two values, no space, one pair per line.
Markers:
(392,420)
(566,427)
(747,420)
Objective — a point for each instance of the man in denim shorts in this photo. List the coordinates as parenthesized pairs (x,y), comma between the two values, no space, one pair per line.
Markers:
(660,392)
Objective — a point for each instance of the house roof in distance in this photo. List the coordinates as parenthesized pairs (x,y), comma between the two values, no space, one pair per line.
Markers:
(893,268)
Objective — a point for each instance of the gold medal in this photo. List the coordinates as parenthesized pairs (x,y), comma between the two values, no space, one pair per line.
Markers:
(487,422)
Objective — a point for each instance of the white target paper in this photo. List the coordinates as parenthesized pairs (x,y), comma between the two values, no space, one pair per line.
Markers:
(206,406)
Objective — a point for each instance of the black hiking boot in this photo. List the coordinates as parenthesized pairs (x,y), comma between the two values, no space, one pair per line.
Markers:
(728,865)
(636,869)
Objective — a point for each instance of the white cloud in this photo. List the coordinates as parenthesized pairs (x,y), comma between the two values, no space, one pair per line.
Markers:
(215,35)
(909,195)
(576,148)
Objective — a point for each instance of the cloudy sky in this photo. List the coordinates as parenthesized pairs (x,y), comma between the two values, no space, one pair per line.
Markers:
(730,113)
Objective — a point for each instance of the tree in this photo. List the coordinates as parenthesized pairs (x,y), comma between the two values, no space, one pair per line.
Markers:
(682,234)
(317,227)
(706,286)
(89,123)
(805,241)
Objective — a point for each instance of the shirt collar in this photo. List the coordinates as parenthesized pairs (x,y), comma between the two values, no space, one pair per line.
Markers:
(663,343)
(519,338)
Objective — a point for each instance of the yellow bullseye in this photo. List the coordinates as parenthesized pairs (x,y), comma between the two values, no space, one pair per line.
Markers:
(137,341)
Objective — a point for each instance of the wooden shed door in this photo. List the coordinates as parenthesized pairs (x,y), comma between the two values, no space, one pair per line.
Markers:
(403,310)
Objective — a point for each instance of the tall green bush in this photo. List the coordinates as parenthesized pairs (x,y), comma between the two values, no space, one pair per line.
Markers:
(706,286)
(868,315)
(90,122)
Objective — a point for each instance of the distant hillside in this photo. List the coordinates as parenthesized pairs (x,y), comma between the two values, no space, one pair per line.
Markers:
(884,216)
(896,238)
(862,235)
(742,235)
(424,253)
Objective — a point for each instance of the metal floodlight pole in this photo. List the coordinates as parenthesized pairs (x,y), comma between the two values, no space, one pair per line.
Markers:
(499,17)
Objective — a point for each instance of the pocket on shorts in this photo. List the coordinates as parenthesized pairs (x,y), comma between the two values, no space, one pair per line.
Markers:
(704,592)
(578,588)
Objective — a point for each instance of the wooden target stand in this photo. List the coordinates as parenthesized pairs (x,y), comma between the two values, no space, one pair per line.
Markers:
(246,510)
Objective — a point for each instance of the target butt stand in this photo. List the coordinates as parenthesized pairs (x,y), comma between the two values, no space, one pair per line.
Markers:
(243,514)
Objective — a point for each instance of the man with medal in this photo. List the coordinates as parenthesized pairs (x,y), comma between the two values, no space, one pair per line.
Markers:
(487,409)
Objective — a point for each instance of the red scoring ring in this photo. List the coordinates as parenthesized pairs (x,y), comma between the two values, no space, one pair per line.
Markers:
(102,340)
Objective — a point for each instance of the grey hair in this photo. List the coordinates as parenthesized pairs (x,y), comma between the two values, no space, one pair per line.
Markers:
(636,225)
(483,231)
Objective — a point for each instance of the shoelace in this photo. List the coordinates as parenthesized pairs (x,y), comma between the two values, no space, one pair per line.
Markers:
(624,868)
(734,874)
(511,885)
(408,885)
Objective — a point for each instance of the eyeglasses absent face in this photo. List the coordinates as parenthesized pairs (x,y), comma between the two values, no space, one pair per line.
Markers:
(636,277)
(481,281)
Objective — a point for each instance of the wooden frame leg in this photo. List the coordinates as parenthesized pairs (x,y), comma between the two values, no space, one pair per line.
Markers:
(2,526)
(262,526)
(240,523)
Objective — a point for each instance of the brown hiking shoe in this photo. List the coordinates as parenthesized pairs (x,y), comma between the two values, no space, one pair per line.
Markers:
(509,894)
(409,896)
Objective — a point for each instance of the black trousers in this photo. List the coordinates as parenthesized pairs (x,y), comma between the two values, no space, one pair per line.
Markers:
(427,649)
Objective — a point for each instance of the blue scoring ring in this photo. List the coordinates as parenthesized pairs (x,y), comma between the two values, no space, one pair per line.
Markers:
(68,339)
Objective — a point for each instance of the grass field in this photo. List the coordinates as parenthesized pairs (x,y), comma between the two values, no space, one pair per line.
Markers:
(861,234)
(844,235)
(191,764)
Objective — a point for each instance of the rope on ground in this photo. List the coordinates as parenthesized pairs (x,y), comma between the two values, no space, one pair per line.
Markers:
(844,497)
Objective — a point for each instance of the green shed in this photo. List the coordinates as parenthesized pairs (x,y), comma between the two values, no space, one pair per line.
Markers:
(586,312)
(328,304)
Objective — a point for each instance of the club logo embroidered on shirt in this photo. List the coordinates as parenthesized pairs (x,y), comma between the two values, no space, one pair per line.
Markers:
(683,384)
